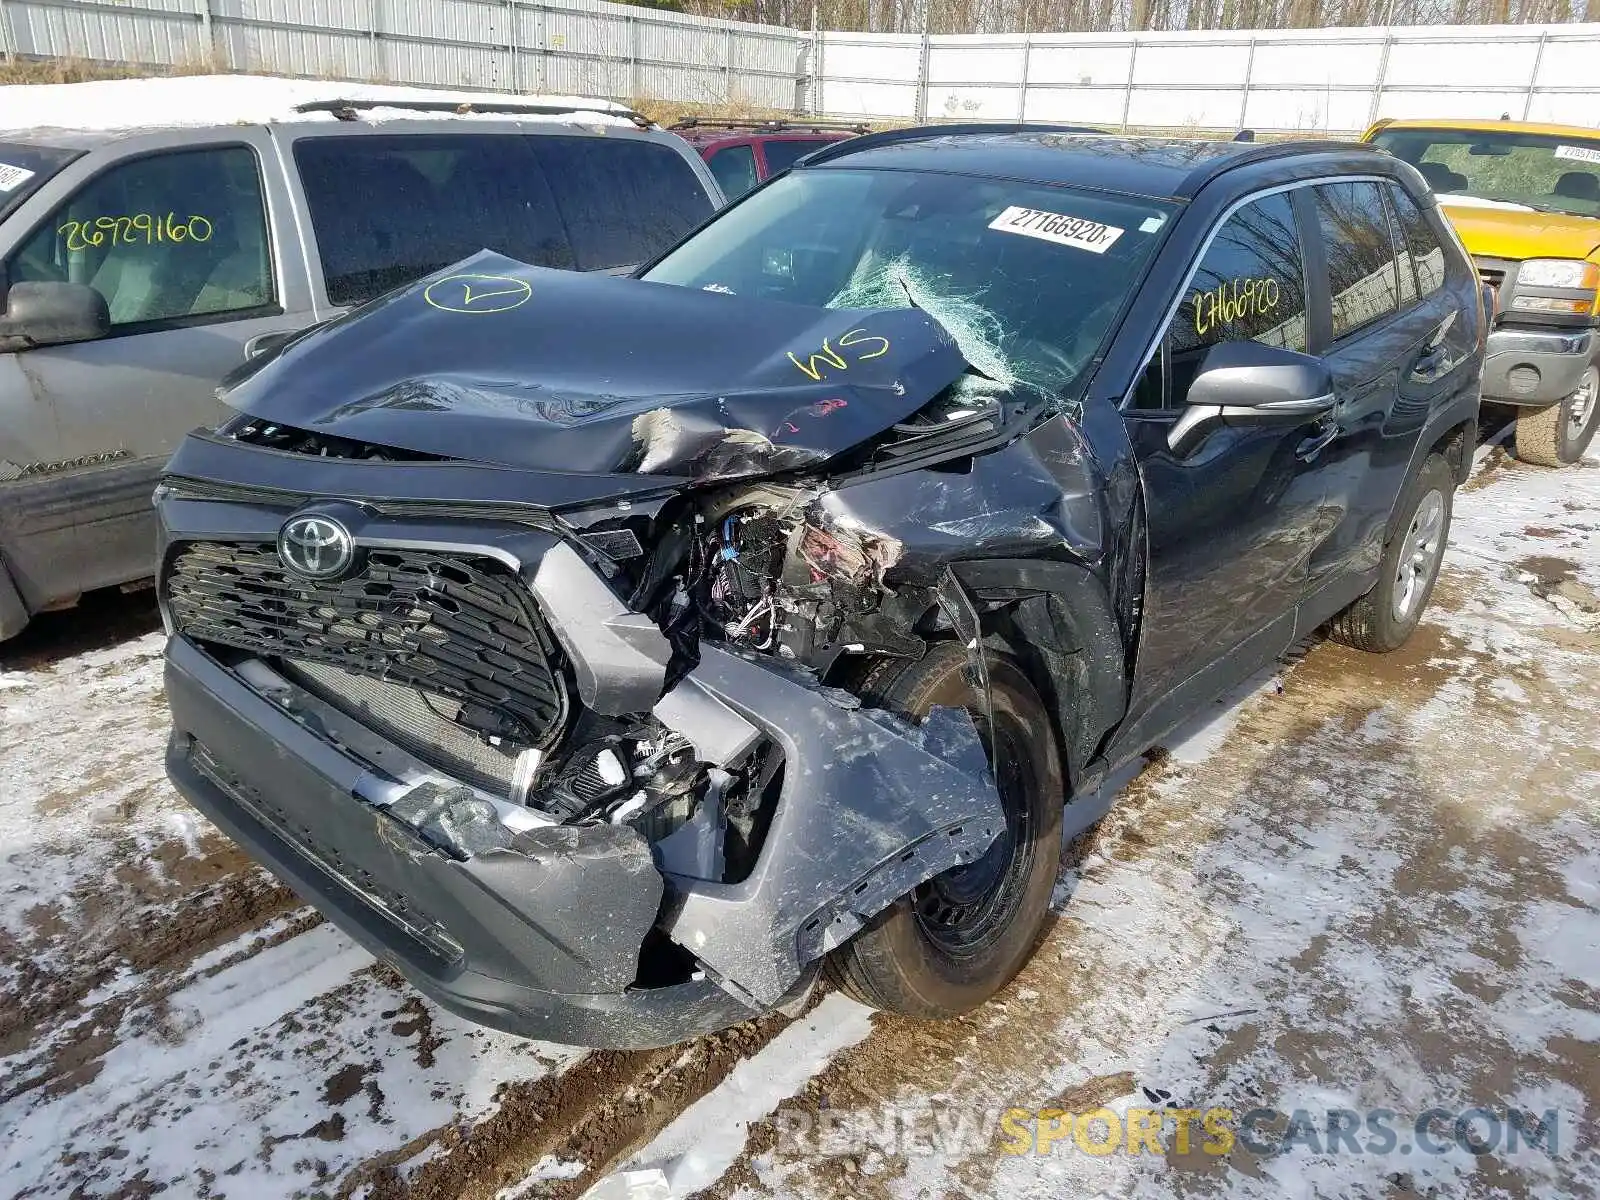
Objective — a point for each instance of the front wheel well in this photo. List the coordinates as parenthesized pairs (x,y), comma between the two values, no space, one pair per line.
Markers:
(1456,445)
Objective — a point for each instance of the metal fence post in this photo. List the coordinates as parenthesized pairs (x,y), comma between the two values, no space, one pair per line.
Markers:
(1127,94)
(1244,97)
(514,43)
(8,47)
(727,67)
(1022,88)
(920,108)
(541,52)
(208,37)
(1533,75)
(1377,91)
(375,44)
(635,83)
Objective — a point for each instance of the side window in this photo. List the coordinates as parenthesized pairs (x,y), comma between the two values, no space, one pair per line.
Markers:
(1250,286)
(1403,263)
(624,200)
(735,169)
(781,155)
(1421,243)
(163,238)
(1363,279)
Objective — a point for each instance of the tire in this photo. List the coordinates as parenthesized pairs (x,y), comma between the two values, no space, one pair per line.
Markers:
(1385,617)
(1558,435)
(954,942)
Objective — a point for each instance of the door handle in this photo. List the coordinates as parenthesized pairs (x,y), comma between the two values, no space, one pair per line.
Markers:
(1317,442)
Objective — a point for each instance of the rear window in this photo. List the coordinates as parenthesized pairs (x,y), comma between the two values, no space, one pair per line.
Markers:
(388,209)
(24,169)
(781,155)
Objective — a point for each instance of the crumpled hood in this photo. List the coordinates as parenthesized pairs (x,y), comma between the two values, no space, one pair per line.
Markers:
(496,361)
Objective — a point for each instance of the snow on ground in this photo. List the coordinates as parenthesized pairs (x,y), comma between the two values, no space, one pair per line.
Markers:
(1365,883)
(168,1014)
(123,104)
(1368,885)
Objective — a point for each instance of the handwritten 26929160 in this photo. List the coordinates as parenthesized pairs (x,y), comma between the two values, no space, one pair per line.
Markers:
(142,229)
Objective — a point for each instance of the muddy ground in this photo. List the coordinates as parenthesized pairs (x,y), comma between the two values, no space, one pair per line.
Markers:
(1364,883)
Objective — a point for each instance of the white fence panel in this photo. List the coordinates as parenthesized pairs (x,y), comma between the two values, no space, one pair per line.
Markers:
(1332,80)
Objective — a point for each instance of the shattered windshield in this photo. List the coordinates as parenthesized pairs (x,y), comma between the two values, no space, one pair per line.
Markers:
(1542,172)
(1026,277)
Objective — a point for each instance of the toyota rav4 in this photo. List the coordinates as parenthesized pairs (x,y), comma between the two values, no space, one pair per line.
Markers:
(612,655)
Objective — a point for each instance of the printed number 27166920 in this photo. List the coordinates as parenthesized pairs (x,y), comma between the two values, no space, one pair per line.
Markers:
(1060,228)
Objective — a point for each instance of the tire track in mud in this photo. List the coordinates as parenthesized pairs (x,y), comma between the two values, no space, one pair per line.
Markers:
(598,1111)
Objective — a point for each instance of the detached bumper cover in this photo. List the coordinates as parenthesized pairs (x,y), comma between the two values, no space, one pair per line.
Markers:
(1558,357)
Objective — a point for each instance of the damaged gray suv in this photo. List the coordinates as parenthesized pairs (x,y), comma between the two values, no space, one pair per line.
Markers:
(614,655)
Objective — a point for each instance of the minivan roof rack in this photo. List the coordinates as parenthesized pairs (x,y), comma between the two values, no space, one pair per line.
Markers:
(350,109)
(774,125)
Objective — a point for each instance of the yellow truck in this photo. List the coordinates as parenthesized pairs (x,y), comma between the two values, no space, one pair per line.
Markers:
(1525,199)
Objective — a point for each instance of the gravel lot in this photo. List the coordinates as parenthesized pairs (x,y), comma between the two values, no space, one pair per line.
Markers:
(1364,883)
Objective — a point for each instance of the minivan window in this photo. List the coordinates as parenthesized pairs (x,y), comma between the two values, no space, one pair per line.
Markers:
(389,209)
(1028,278)
(1363,283)
(166,237)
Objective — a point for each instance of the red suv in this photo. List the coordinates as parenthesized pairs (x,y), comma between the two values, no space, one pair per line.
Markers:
(743,153)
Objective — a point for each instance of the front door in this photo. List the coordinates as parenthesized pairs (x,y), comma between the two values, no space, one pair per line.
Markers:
(177,239)
(1234,519)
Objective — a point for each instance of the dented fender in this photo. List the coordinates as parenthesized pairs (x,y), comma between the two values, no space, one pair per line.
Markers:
(870,807)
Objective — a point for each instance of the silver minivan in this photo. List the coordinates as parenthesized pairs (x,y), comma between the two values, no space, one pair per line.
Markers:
(138,267)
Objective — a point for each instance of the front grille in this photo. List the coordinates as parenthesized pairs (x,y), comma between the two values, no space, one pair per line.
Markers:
(418,723)
(450,625)
(1500,273)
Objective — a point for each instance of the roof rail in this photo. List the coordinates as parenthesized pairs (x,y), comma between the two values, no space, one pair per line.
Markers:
(776,125)
(1255,152)
(351,109)
(917,133)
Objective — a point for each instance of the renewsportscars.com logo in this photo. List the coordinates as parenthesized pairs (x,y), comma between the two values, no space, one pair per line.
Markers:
(1267,1131)
(922,1127)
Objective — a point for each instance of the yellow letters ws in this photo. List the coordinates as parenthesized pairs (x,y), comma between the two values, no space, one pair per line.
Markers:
(857,340)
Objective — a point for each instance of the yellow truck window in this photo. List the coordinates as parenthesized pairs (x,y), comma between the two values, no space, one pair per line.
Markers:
(1541,172)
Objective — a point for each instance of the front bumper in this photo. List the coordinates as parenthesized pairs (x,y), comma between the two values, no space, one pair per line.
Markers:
(494,938)
(1534,367)
(537,929)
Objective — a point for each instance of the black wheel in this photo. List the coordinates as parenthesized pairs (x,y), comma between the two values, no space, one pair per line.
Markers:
(1384,618)
(1558,435)
(959,938)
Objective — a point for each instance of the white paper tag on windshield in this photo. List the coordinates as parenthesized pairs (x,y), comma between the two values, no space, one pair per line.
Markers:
(1588,154)
(13,177)
(1057,227)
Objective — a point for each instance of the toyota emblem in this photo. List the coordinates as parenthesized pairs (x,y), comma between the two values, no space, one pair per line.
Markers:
(316,547)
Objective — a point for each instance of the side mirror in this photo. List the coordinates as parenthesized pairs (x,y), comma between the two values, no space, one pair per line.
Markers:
(49,313)
(1252,383)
